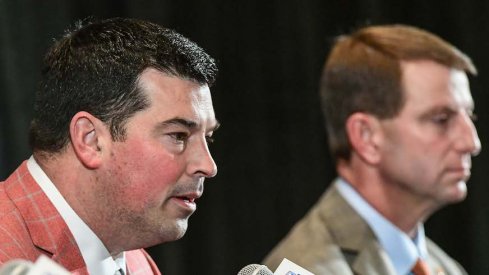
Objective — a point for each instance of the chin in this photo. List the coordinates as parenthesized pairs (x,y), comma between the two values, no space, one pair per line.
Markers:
(173,232)
(458,193)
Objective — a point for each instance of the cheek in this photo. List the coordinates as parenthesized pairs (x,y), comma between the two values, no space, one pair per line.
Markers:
(147,175)
(426,163)
(409,158)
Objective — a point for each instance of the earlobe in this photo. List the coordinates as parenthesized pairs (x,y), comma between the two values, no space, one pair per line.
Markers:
(362,130)
(85,135)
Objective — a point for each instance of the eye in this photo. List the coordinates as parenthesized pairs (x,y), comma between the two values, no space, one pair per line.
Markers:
(209,139)
(179,137)
(441,118)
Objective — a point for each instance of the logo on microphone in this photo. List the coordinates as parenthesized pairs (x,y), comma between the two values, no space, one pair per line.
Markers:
(289,268)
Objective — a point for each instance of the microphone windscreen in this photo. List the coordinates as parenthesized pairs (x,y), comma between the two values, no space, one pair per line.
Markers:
(255,269)
(16,267)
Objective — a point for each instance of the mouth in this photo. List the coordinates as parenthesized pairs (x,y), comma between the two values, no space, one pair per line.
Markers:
(463,173)
(187,201)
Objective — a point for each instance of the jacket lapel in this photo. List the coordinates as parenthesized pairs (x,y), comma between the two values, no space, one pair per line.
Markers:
(373,260)
(139,262)
(47,229)
(354,237)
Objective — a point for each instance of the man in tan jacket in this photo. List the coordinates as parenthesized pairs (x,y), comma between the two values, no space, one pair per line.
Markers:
(398,109)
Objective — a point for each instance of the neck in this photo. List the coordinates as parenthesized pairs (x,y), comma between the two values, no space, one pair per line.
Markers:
(391,200)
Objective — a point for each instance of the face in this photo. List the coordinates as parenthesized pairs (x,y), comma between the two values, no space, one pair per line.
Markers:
(155,176)
(428,146)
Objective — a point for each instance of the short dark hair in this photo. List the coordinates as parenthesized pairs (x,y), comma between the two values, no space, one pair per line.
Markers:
(363,74)
(95,68)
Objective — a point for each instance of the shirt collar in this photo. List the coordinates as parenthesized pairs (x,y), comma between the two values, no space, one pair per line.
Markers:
(93,251)
(401,249)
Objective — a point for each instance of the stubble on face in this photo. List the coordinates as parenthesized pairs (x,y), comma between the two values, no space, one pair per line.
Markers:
(148,173)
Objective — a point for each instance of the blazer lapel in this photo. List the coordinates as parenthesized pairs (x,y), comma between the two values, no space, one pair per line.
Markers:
(80,271)
(139,262)
(354,237)
(47,228)
(373,260)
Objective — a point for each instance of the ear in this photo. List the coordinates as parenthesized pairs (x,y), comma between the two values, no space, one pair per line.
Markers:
(87,134)
(363,132)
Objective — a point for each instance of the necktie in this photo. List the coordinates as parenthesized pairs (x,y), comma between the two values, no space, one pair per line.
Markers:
(421,268)
(120,272)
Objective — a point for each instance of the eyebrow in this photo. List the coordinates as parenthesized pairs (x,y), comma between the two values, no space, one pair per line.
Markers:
(445,109)
(187,123)
(438,109)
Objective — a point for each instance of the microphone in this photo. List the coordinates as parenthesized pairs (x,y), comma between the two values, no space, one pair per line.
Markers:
(288,267)
(16,267)
(42,266)
(254,269)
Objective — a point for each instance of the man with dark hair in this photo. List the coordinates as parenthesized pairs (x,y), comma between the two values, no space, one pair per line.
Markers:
(398,110)
(120,134)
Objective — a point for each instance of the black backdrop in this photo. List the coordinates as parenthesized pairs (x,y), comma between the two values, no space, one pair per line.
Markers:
(271,150)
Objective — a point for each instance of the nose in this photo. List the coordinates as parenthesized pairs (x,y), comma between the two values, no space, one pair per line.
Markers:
(468,141)
(201,163)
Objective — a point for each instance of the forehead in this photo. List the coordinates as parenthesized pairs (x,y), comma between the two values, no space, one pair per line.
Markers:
(427,83)
(171,96)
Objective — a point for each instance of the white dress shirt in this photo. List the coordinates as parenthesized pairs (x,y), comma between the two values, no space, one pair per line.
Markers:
(401,249)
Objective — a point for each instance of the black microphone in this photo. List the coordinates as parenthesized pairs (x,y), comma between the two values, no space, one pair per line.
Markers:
(255,269)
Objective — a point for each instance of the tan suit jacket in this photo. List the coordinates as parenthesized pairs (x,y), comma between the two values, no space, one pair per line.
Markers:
(30,226)
(333,239)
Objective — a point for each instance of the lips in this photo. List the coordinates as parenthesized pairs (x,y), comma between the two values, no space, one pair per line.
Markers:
(191,197)
(460,172)
(187,201)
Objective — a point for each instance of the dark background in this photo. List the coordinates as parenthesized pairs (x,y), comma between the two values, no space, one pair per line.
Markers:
(271,150)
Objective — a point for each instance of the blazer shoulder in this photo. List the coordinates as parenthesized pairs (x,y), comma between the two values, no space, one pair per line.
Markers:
(313,242)
(7,206)
(441,260)
(15,240)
